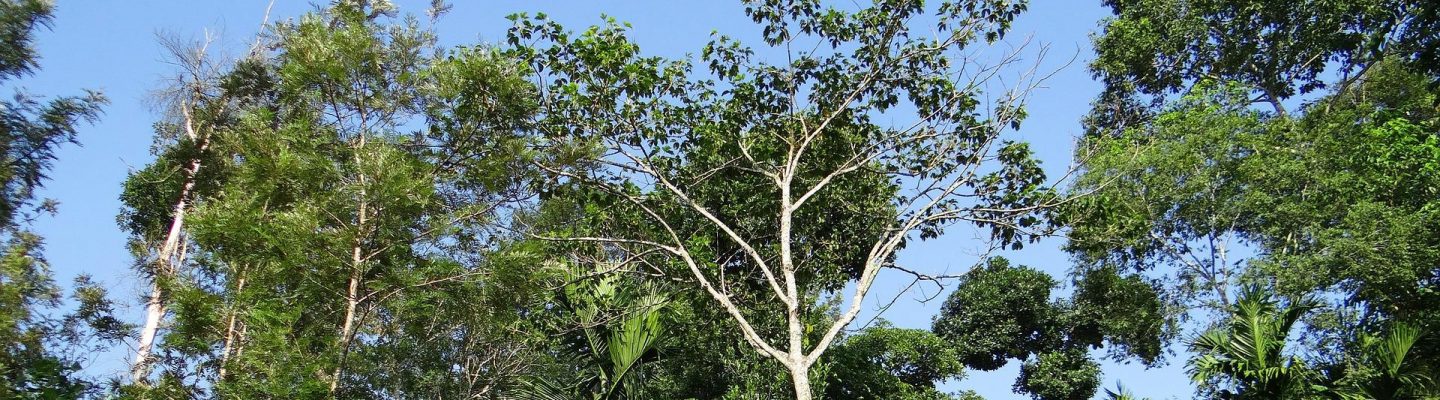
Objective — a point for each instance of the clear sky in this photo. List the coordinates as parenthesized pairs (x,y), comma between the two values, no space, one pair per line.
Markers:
(112,46)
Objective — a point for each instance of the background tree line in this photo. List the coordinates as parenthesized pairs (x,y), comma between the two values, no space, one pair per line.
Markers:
(350,210)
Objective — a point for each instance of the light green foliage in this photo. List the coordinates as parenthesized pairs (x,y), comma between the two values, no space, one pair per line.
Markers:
(356,178)
(1170,196)
(1364,218)
(689,321)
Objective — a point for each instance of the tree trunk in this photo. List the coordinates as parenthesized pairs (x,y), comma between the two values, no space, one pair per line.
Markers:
(166,259)
(800,378)
(347,329)
(154,311)
(230,332)
(357,272)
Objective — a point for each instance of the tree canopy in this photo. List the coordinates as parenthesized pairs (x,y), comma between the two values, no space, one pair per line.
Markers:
(356,207)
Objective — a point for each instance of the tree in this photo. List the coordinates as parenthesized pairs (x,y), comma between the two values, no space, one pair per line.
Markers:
(1068,374)
(1002,312)
(32,130)
(998,313)
(787,141)
(1332,198)
(616,330)
(40,350)
(884,362)
(1120,393)
(346,240)
(197,105)
(1171,196)
(1277,49)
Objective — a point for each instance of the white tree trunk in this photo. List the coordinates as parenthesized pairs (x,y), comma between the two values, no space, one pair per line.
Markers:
(357,273)
(166,260)
(800,378)
(154,312)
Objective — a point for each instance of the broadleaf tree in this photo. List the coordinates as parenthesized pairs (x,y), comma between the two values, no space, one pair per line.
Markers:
(694,156)
(1285,144)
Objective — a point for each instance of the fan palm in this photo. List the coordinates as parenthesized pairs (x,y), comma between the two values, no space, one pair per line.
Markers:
(619,328)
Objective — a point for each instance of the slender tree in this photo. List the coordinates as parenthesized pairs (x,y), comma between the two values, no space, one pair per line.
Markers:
(196,104)
(795,139)
(349,245)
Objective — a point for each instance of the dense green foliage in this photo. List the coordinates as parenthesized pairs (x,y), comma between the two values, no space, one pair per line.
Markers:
(41,345)
(1001,312)
(1209,193)
(352,210)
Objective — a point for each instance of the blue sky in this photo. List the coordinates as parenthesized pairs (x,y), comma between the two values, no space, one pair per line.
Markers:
(112,46)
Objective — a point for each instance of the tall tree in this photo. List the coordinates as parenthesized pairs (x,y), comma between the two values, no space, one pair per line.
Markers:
(345,242)
(1170,197)
(760,154)
(1234,182)
(196,105)
(40,348)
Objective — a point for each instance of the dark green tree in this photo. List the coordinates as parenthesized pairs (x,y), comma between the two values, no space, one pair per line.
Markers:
(1276,49)
(1001,312)
(41,345)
